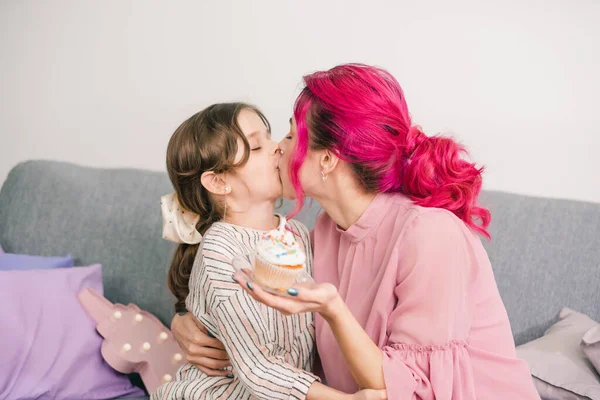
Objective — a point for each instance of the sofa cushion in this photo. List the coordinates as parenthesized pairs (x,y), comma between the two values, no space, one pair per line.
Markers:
(591,346)
(558,362)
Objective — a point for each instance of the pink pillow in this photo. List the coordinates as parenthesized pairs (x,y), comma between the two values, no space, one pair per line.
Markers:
(49,347)
(134,340)
(25,262)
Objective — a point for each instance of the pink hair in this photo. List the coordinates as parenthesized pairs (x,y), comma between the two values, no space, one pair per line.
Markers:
(359,112)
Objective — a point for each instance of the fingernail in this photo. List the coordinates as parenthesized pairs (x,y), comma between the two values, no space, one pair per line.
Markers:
(249,285)
(292,292)
(230,376)
(211,335)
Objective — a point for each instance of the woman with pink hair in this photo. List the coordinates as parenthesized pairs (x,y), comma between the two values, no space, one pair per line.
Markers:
(405,296)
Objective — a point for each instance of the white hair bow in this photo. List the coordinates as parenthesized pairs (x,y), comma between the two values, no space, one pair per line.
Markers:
(179,224)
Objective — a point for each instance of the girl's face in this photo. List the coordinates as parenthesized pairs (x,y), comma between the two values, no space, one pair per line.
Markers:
(310,171)
(258,180)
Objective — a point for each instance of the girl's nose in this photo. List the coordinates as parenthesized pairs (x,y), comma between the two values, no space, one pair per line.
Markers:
(276,149)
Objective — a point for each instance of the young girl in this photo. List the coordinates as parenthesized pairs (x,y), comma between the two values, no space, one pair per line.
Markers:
(224,168)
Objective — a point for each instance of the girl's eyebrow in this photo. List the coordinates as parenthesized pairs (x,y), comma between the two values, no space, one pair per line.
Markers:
(256,133)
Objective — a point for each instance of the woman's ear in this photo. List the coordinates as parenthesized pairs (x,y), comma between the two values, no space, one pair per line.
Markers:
(214,183)
(329,162)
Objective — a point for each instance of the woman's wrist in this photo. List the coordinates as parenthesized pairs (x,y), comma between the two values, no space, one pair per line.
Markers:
(334,309)
(319,391)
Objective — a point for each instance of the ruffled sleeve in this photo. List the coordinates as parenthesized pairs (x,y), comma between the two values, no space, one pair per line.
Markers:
(426,355)
(428,372)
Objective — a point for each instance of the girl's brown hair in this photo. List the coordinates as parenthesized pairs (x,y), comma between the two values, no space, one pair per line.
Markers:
(207,141)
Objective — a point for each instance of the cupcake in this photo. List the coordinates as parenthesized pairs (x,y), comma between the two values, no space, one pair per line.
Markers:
(279,259)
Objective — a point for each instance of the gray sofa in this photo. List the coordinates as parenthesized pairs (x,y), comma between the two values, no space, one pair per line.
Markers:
(545,252)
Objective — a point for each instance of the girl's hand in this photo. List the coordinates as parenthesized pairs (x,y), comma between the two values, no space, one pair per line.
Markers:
(305,297)
(201,350)
(370,394)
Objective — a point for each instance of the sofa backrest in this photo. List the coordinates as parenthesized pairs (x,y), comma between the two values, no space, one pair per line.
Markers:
(546,255)
(105,216)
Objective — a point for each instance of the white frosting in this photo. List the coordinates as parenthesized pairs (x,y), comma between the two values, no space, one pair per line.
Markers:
(280,246)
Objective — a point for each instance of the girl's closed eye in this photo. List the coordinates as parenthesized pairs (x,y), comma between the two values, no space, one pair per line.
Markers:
(255,145)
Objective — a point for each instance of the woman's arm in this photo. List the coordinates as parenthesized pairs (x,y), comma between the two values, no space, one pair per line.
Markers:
(199,347)
(363,356)
(239,322)
(318,391)
(256,360)
(432,307)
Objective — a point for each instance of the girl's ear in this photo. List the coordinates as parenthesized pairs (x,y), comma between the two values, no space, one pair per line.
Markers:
(214,183)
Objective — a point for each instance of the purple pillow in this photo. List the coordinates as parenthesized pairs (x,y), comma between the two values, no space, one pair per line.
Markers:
(50,348)
(24,262)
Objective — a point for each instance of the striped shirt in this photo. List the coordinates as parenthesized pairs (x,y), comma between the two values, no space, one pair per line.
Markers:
(271,354)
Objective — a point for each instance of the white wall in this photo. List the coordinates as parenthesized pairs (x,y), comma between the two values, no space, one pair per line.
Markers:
(105,83)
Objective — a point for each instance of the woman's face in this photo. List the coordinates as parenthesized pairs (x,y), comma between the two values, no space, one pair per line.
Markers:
(258,179)
(310,171)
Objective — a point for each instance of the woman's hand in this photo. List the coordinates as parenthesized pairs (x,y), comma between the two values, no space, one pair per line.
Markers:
(304,297)
(370,394)
(201,350)
(362,355)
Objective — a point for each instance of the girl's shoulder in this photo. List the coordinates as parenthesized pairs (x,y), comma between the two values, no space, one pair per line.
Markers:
(224,236)
(212,268)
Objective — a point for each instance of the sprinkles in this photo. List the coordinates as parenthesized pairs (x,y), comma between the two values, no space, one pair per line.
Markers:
(282,244)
